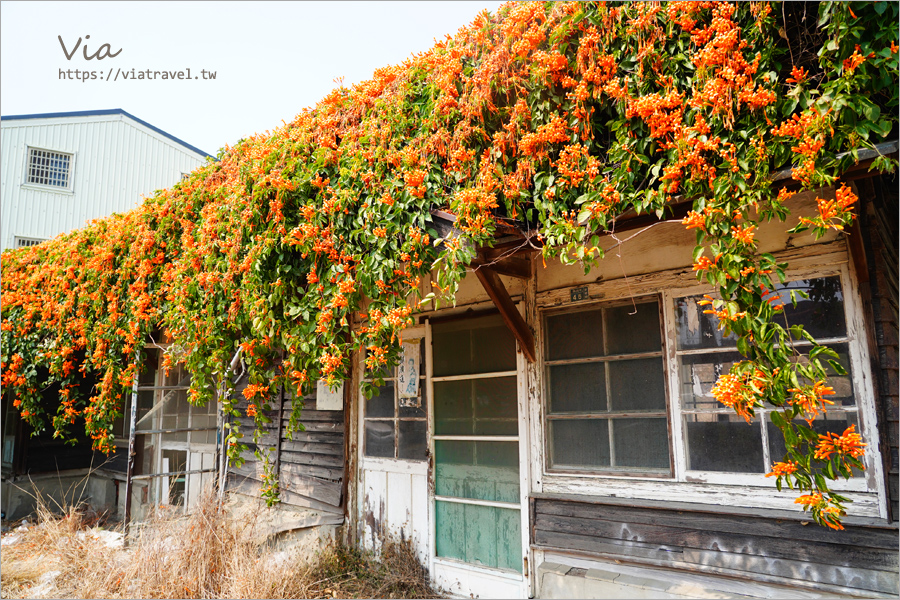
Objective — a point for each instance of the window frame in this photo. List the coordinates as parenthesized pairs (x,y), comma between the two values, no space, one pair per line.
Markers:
(546,363)
(749,489)
(44,187)
(416,334)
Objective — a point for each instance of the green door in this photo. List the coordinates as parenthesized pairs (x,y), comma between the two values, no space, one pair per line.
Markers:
(478,517)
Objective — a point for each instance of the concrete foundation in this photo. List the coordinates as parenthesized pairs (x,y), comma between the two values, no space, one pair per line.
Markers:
(57,491)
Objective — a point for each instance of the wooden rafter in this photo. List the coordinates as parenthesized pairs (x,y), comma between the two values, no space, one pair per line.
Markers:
(514,321)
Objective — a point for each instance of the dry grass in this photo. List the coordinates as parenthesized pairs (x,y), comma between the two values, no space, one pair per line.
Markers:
(205,555)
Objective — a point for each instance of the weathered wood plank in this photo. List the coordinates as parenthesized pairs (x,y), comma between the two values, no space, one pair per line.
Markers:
(685,537)
(254,468)
(250,486)
(563,542)
(757,526)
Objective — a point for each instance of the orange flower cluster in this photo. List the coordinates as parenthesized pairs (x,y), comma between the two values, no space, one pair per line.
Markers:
(811,399)
(742,393)
(848,443)
(783,469)
(834,213)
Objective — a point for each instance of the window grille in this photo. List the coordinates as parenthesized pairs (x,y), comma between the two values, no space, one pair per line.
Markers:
(26,242)
(46,167)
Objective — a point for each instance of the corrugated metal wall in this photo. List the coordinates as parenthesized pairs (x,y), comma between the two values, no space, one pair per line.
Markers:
(116,161)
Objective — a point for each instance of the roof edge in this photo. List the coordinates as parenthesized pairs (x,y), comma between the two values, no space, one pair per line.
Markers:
(107,111)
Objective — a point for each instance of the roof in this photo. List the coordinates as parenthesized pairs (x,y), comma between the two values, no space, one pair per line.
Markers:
(109,111)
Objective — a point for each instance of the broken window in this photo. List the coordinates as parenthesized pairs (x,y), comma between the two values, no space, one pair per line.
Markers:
(704,353)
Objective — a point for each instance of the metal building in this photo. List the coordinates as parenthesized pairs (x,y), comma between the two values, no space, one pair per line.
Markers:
(61,170)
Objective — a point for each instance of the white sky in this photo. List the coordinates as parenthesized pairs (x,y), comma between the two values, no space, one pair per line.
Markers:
(271,58)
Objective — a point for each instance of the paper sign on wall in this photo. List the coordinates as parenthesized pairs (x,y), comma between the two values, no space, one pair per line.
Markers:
(328,399)
(408,375)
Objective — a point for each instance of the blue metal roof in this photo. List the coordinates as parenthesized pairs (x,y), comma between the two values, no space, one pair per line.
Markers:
(109,111)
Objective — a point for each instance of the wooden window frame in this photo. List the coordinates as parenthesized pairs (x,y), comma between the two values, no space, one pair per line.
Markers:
(410,334)
(747,490)
(665,412)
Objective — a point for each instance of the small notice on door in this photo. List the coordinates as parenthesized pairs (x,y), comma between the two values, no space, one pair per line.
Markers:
(408,375)
(327,398)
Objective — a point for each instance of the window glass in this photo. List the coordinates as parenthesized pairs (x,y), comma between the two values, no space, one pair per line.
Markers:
(632,328)
(477,470)
(484,406)
(396,427)
(575,335)
(716,439)
(479,345)
(577,388)
(606,365)
(484,535)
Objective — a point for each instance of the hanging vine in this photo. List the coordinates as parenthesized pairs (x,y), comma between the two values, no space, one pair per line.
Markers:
(560,115)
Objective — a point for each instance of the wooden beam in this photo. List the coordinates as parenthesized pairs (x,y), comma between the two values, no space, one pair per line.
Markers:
(514,321)
(519,268)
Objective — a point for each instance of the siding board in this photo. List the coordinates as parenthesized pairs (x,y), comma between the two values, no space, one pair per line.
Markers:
(756,547)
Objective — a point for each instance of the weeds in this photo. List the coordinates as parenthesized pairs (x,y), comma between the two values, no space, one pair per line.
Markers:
(207,554)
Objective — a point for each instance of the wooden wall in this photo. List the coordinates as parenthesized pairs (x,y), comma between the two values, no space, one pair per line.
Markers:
(862,559)
(879,228)
(312,471)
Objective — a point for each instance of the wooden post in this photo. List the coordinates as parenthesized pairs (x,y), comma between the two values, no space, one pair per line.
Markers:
(514,321)
(129,470)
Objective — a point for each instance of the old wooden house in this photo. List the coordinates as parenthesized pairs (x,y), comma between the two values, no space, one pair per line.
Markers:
(553,434)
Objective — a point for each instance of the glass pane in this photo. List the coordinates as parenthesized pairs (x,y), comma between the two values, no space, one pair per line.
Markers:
(477,470)
(723,442)
(174,461)
(830,422)
(411,443)
(578,443)
(699,373)
(481,535)
(694,329)
(382,404)
(476,406)
(416,411)
(467,346)
(641,443)
(841,384)
(822,314)
(577,388)
(575,335)
(380,438)
(177,377)
(637,384)
(638,332)
(175,412)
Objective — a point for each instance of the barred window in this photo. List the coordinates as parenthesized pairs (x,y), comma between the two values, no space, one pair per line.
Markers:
(46,167)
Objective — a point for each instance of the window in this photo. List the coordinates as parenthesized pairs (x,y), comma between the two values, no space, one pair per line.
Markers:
(627,388)
(27,242)
(395,427)
(703,354)
(606,389)
(46,167)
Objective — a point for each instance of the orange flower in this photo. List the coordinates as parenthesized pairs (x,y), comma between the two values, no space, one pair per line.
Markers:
(798,74)
(811,399)
(694,220)
(734,392)
(781,469)
(848,443)
(743,234)
(854,60)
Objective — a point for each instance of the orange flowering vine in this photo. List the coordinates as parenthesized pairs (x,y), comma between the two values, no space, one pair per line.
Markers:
(306,244)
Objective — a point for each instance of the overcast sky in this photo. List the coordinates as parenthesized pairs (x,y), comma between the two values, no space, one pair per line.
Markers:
(270,59)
